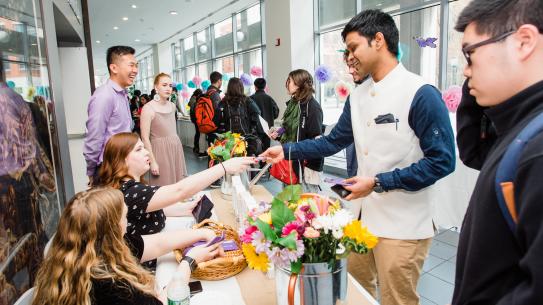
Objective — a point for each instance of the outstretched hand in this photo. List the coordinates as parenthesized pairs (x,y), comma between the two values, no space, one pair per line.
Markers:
(274,154)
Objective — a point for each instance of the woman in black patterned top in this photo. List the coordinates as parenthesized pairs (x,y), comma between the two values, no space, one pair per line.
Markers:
(125,162)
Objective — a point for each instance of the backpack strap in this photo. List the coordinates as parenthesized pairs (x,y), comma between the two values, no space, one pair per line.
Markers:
(507,171)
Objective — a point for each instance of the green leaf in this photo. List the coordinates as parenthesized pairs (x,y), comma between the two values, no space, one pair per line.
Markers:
(280,214)
(290,193)
(266,230)
(296,266)
(288,241)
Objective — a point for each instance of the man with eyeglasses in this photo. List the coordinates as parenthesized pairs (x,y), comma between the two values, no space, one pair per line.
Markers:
(498,261)
(108,110)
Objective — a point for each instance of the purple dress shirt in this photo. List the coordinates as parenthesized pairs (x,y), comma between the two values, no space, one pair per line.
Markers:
(109,114)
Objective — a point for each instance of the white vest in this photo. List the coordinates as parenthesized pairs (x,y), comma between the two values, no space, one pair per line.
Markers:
(397,214)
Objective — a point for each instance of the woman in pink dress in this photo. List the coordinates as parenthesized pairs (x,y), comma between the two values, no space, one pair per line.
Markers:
(159,135)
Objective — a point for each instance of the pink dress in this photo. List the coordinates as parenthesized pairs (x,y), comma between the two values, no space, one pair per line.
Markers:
(167,149)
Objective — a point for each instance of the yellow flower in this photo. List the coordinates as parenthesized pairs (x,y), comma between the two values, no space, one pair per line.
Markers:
(266,217)
(254,260)
(356,232)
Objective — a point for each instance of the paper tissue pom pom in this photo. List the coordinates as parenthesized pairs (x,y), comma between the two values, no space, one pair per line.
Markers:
(246,79)
(206,84)
(179,87)
(11,84)
(185,94)
(225,77)
(400,52)
(197,80)
(256,71)
(323,74)
(452,97)
(191,84)
(342,91)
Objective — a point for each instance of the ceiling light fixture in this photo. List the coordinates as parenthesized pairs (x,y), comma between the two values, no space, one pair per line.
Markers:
(173,12)
(115,27)
(136,40)
(98,41)
(125,18)
(134,6)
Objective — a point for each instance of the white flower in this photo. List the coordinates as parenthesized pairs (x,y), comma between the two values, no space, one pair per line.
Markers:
(340,249)
(323,222)
(342,218)
(337,233)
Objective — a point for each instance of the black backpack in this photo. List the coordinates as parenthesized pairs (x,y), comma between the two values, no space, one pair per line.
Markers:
(239,122)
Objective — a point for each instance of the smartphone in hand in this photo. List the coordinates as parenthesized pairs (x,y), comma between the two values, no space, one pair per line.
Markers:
(340,190)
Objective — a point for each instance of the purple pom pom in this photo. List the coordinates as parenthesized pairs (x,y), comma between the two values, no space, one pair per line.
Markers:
(323,74)
(246,79)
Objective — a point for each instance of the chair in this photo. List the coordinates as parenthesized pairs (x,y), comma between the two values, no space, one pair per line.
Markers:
(26,298)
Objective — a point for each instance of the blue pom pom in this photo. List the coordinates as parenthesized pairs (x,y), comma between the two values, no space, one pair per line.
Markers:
(11,84)
(179,87)
(400,52)
(206,84)
(323,74)
(191,84)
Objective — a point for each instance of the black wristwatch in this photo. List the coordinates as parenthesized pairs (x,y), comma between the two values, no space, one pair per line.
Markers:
(377,187)
(192,263)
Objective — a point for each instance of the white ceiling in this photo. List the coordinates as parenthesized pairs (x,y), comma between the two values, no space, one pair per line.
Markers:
(151,22)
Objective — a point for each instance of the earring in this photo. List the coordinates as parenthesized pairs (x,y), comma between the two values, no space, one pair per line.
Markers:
(156,98)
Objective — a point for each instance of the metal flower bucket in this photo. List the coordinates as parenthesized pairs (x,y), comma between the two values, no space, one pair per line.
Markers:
(315,285)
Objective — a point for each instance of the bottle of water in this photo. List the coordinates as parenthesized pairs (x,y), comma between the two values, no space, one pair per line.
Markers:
(178,290)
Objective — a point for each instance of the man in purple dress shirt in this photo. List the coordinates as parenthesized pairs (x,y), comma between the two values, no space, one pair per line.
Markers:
(109,110)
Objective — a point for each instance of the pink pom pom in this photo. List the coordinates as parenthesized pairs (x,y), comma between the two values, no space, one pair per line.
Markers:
(452,97)
(185,94)
(197,80)
(342,91)
(256,71)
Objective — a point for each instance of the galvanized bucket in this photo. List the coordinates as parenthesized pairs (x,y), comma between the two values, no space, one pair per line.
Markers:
(315,285)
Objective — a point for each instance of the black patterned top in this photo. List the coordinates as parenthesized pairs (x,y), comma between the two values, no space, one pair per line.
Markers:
(136,197)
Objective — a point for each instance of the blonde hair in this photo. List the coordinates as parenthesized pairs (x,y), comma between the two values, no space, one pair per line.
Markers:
(159,76)
(89,245)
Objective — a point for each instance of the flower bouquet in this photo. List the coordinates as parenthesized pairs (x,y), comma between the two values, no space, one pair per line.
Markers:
(298,230)
(226,146)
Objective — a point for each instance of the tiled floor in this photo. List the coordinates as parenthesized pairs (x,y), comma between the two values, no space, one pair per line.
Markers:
(437,281)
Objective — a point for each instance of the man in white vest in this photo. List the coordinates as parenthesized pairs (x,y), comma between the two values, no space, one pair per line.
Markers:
(404,143)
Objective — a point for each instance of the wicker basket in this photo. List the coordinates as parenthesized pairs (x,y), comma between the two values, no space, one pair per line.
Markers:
(221,267)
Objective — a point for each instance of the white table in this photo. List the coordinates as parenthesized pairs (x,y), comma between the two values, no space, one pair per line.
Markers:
(257,288)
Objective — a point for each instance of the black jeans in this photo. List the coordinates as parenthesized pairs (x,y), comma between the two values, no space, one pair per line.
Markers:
(196,138)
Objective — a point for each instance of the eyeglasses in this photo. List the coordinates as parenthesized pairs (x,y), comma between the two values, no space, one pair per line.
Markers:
(468,49)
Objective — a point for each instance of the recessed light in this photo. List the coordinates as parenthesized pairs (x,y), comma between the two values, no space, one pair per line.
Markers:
(125,18)
(134,6)
(98,41)
(173,12)
(136,40)
(34,44)
(115,27)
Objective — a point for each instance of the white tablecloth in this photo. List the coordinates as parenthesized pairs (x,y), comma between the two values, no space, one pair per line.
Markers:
(225,292)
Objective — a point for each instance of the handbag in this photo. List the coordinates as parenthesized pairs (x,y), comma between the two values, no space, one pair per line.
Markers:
(284,172)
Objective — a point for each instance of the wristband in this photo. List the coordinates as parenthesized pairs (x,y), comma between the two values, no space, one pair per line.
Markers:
(223,167)
(192,263)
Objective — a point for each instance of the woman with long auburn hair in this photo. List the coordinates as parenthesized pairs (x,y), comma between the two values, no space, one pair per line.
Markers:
(92,261)
(126,160)
(303,120)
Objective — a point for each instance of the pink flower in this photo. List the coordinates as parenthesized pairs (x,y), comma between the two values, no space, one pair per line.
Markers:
(452,97)
(290,227)
(300,216)
(342,91)
(247,237)
(256,71)
(311,233)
